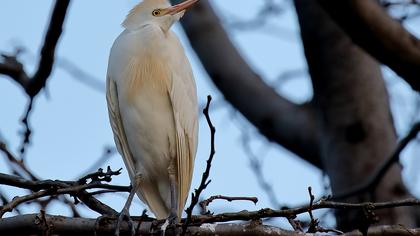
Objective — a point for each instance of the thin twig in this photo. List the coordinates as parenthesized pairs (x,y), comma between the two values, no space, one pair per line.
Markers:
(27,130)
(204,204)
(204,183)
(80,75)
(14,160)
(31,224)
(314,226)
(314,222)
(73,190)
(18,200)
(322,204)
(100,175)
(33,85)
(56,187)
(296,225)
(257,169)
(107,153)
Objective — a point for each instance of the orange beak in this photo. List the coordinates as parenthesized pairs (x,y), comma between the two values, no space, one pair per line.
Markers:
(180,7)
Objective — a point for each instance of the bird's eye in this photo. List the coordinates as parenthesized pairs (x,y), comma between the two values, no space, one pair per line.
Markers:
(156,12)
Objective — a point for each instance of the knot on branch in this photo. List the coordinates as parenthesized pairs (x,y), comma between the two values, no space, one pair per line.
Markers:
(205,203)
(100,175)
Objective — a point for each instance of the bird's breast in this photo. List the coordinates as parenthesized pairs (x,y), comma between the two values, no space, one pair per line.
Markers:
(143,65)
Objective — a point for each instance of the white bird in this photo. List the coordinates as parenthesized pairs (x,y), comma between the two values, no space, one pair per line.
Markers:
(152,104)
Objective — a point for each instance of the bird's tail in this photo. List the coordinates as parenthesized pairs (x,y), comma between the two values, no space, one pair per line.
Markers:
(149,194)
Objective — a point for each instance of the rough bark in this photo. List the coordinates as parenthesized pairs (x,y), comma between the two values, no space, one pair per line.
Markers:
(354,115)
(48,224)
(280,120)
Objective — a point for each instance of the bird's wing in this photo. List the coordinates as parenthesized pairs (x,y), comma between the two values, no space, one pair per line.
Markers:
(117,126)
(183,98)
(147,193)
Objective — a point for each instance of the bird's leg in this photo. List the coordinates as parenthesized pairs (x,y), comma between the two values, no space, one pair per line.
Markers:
(173,216)
(172,219)
(125,213)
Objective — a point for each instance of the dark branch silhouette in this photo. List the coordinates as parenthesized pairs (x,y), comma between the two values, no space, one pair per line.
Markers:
(296,127)
(205,203)
(33,85)
(14,69)
(195,197)
(369,25)
(234,77)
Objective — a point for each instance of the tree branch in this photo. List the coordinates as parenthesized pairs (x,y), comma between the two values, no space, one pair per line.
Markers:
(353,105)
(290,125)
(46,61)
(33,224)
(14,69)
(56,187)
(322,204)
(204,182)
(33,85)
(369,26)
(37,223)
(205,203)
(377,176)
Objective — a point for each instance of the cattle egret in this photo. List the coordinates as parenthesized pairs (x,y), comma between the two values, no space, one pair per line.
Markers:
(152,105)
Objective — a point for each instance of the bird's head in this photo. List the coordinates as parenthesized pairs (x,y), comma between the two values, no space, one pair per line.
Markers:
(156,12)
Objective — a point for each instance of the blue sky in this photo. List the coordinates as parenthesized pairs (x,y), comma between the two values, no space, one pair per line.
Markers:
(70,120)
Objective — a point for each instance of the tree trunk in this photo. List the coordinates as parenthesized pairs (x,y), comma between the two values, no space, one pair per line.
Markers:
(246,90)
(353,130)
(357,131)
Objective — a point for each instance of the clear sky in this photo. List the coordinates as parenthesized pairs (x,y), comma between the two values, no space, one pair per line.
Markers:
(70,120)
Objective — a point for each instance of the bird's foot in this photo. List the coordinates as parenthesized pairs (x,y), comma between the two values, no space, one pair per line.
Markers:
(125,215)
(170,225)
(104,219)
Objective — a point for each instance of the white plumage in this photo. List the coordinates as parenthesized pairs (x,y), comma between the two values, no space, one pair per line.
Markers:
(152,104)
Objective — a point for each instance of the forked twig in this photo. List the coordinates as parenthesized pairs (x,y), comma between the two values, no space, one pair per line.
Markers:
(204,204)
(204,183)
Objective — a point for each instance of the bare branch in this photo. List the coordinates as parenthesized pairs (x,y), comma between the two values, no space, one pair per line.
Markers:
(72,190)
(290,125)
(314,223)
(56,187)
(33,85)
(322,204)
(369,25)
(205,203)
(80,75)
(204,183)
(27,130)
(14,69)
(257,169)
(13,160)
(60,225)
(107,153)
(37,223)
(46,62)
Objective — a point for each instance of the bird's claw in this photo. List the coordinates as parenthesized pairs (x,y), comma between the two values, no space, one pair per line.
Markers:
(99,221)
(170,225)
(125,215)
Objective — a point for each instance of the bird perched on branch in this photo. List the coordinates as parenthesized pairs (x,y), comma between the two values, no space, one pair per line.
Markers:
(152,104)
